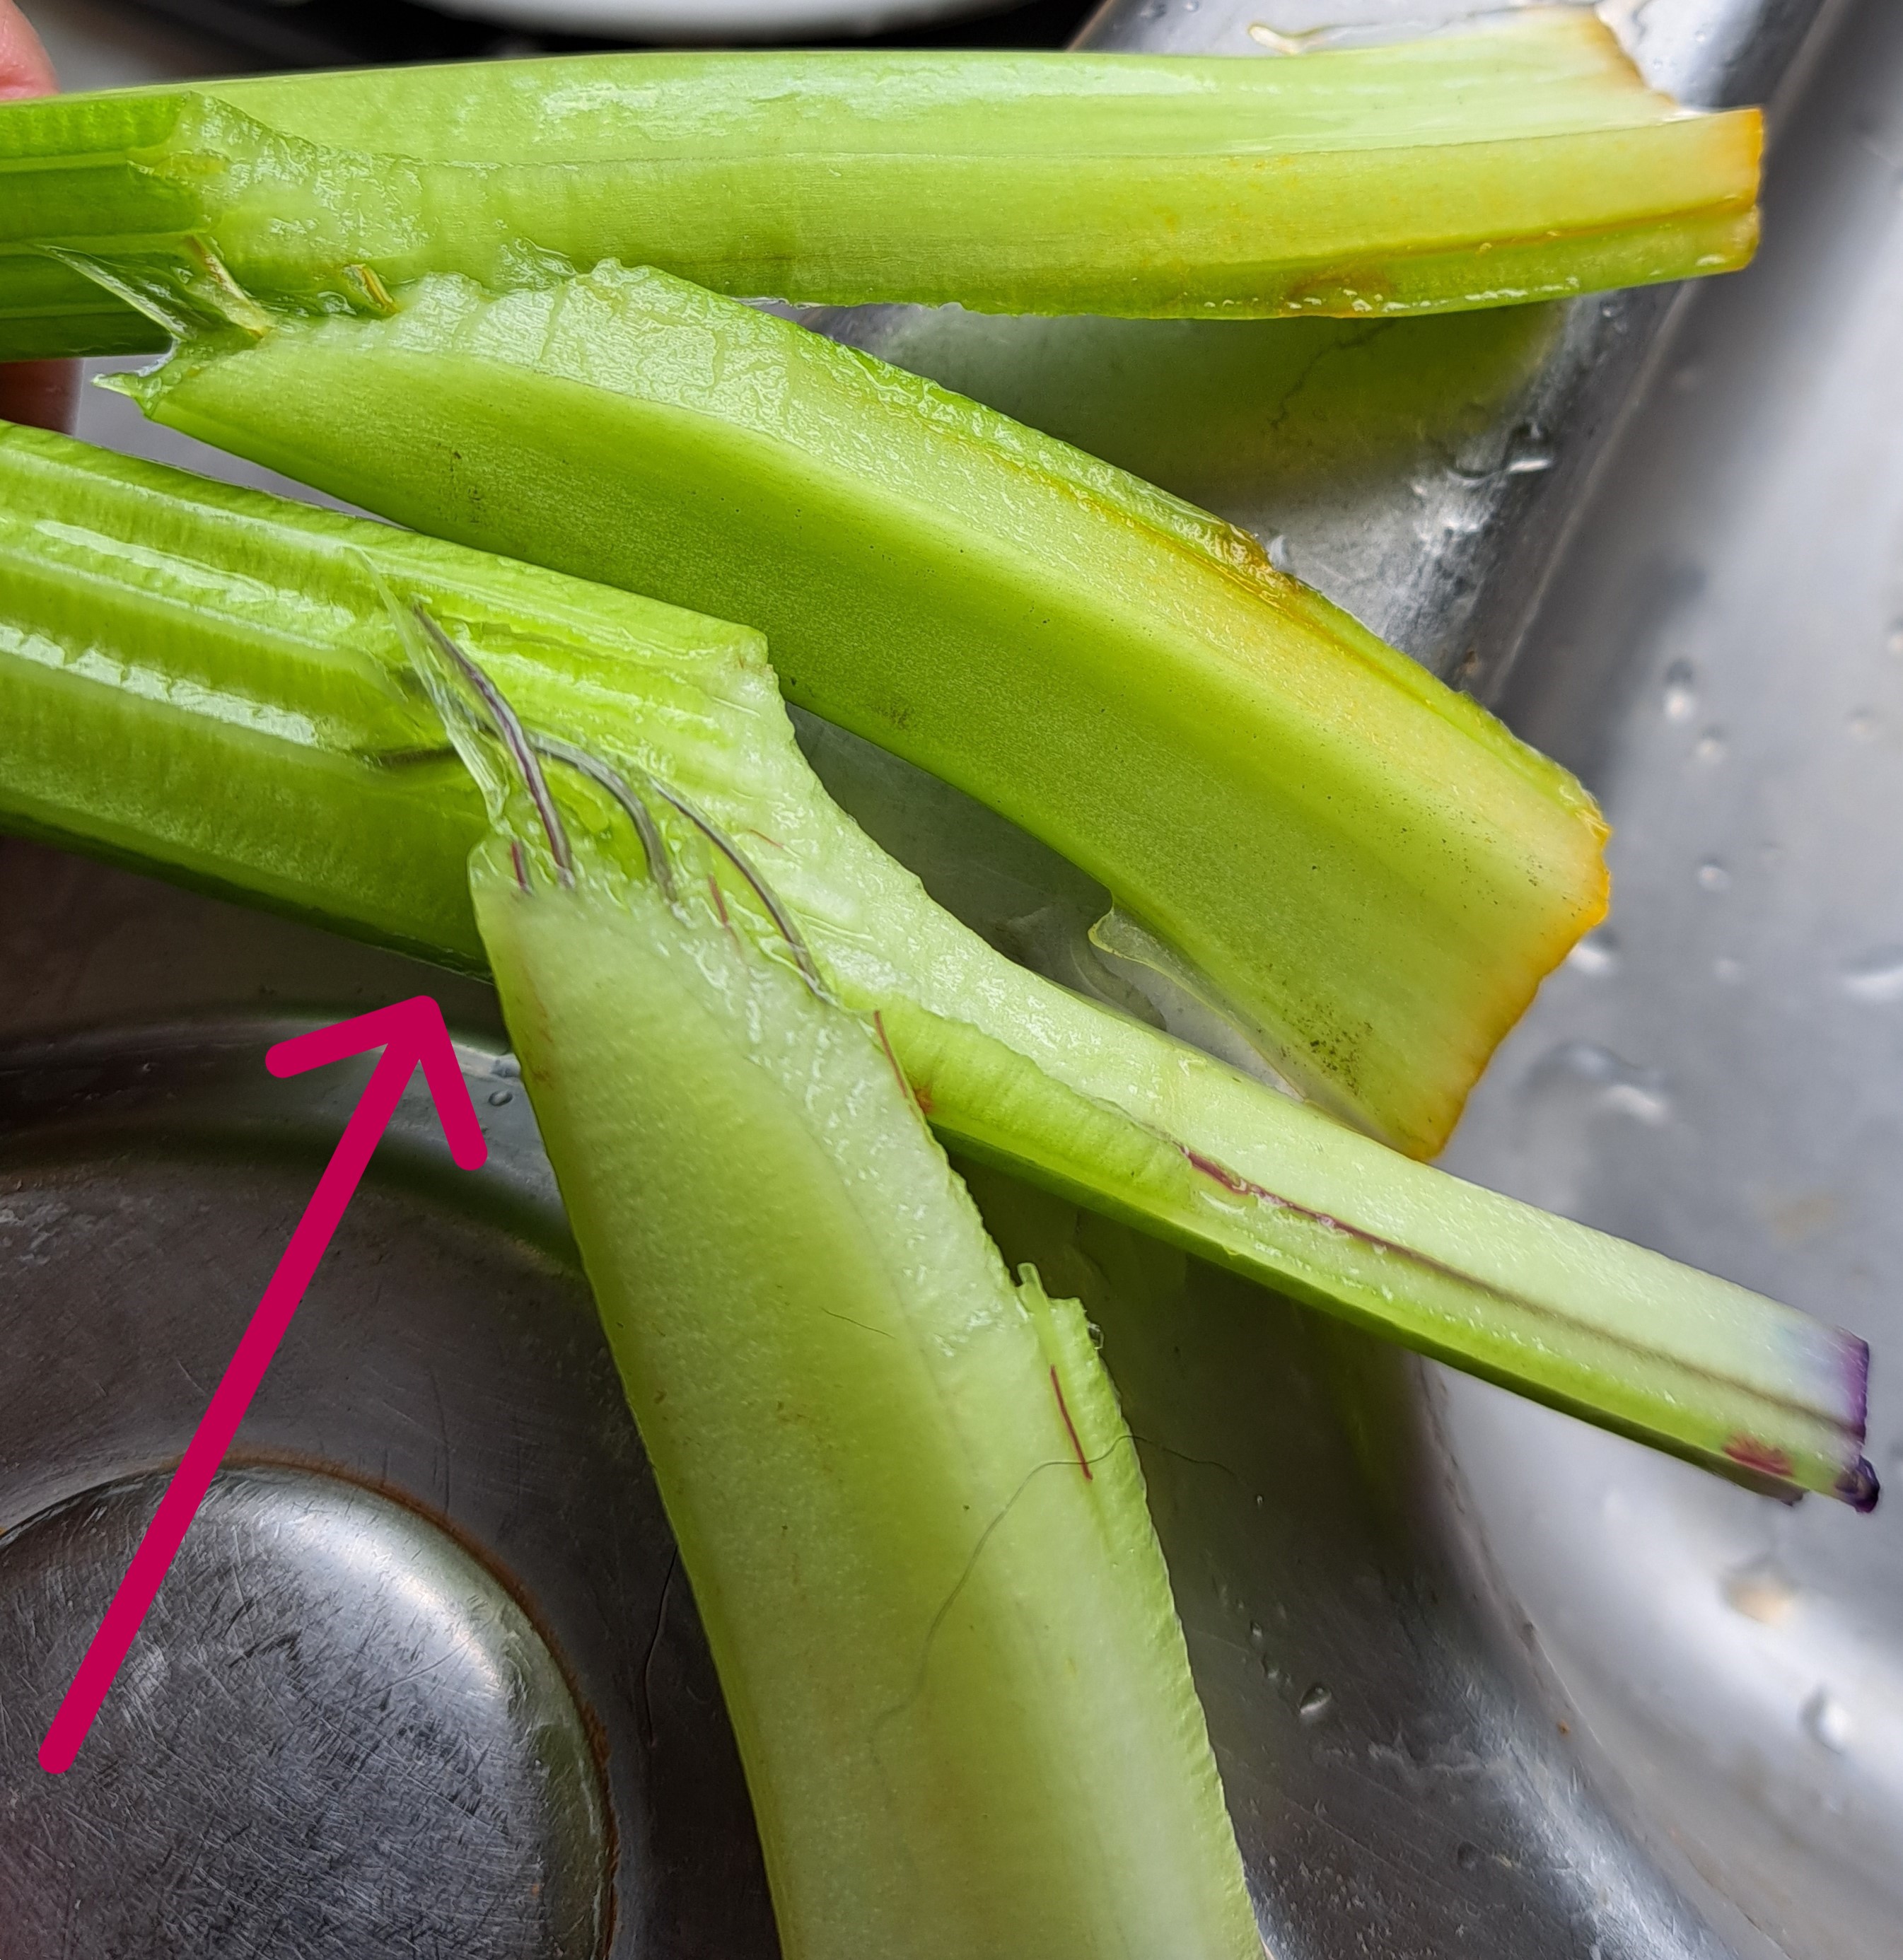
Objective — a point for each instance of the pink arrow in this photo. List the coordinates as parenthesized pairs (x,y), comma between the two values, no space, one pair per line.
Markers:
(409,1033)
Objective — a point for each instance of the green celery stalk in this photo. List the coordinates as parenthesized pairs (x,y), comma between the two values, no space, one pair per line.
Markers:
(1366,868)
(1525,161)
(205,681)
(910,1509)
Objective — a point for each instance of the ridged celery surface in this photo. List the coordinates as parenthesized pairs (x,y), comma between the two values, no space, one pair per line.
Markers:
(1525,161)
(1365,865)
(205,681)
(903,1492)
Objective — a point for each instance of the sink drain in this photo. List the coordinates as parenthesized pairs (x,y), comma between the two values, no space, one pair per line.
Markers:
(335,1734)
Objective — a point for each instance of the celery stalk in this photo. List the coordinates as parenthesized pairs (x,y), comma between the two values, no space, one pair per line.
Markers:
(904,1493)
(1525,161)
(1366,866)
(204,680)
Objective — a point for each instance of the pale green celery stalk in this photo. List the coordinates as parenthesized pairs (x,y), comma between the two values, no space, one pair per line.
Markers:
(1364,865)
(205,680)
(1524,162)
(903,1492)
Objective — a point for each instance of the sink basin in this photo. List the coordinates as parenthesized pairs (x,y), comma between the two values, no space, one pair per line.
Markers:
(1482,1681)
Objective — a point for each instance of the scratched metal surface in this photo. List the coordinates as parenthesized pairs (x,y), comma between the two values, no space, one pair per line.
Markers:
(1482,1681)
(425,1681)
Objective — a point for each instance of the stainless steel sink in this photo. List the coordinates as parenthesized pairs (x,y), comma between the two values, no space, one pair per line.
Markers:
(1483,1681)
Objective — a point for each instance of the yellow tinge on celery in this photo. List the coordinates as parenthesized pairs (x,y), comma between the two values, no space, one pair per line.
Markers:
(1364,868)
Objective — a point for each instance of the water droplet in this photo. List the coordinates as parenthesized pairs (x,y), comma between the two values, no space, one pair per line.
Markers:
(1864,723)
(1277,42)
(1713,877)
(499,1096)
(1761,1591)
(1681,694)
(1710,747)
(507,1067)
(1315,1704)
(1728,970)
(1876,976)
(1827,1721)
(1280,556)
(1468,1857)
(1597,953)
(1612,1084)
(1257,1637)
(1893,640)
(1528,453)
(1458,502)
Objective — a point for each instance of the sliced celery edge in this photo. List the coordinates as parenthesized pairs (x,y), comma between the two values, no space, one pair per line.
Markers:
(1004,1061)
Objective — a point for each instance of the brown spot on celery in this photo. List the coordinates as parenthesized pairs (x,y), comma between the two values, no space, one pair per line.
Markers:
(1755,1454)
(885,1042)
(365,279)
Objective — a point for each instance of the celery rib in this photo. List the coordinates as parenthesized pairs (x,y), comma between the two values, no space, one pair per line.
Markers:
(903,1489)
(205,679)
(1526,160)
(1370,868)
